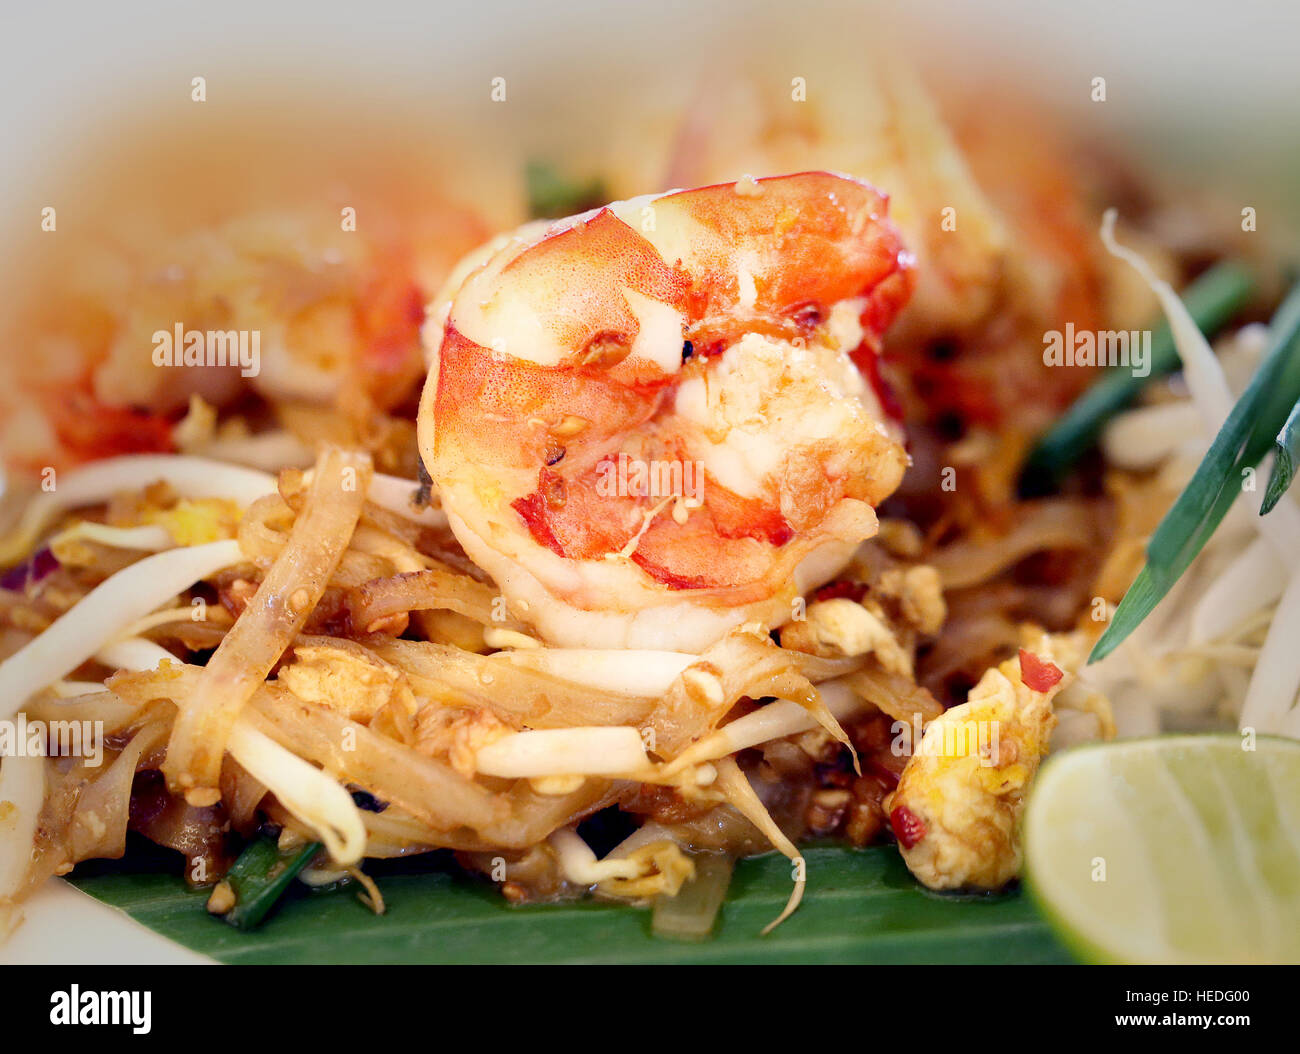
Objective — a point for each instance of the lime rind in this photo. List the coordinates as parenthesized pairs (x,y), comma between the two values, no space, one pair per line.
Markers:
(1210,874)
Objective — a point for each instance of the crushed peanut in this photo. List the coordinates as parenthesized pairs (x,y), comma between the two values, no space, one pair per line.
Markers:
(222,898)
(704,685)
(345,678)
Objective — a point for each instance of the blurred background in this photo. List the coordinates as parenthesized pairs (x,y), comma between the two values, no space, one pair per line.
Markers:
(1198,84)
(424,118)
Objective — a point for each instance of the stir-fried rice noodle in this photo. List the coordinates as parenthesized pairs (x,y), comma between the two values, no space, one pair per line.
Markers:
(433,588)
(99,617)
(1046,525)
(355,648)
(224,732)
(290,590)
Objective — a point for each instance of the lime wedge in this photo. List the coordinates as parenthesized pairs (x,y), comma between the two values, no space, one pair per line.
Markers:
(1179,849)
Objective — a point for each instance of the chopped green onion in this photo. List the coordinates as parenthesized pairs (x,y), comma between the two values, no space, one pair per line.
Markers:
(1246,436)
(552,196)
(1285,454)
(260,877)
(691,914)
(1213,299)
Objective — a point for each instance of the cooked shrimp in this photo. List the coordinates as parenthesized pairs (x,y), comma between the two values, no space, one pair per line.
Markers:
(991,200)
(868,116)
(646,422)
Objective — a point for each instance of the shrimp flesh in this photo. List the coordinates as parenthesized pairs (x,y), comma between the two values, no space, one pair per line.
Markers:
(654,422)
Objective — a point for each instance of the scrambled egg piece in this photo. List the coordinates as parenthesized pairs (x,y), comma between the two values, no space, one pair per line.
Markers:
(843,627)
(196,522)
(957,806)
(347,679)
(1085,714)
(919,592)
(188,522)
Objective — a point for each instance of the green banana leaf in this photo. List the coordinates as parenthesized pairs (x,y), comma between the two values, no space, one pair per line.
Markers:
(861,906)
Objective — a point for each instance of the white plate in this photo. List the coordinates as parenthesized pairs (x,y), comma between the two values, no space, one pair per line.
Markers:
(1221,80)
(63,926)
